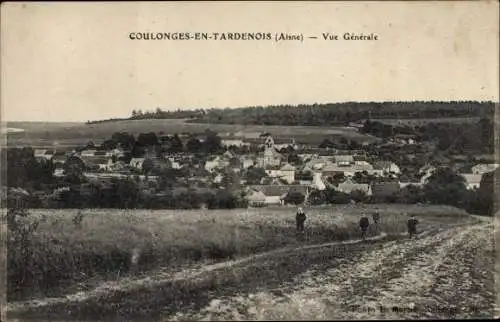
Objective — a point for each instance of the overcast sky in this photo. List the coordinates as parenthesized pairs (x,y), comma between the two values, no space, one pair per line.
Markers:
(75,62)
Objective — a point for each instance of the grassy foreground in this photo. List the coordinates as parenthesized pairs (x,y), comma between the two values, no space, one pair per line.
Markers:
(109,244)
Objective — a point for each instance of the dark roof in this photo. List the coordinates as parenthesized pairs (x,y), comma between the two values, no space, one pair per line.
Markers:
(298,188)
(271,190)
(381,165)
(279,190)
(279,140)
(359,158)
(95,160)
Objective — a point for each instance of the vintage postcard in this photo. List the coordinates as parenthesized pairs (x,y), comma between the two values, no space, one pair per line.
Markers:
(166,161)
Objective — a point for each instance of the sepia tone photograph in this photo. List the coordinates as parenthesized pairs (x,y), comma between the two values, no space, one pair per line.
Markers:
(224,161)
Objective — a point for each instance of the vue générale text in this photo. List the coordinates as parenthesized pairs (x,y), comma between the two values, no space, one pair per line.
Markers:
(266,36)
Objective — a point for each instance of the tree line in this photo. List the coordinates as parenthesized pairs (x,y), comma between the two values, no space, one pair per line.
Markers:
(343,113)
(455,138)
(321,114)
(207,142)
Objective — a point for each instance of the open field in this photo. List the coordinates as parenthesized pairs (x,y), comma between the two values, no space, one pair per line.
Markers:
(250,264)
(70,134)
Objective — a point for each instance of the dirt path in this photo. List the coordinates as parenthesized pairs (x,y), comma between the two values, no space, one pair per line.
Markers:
(339,280)
(448,274)
(158,279)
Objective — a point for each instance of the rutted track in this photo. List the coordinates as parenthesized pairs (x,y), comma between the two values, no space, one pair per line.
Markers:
(431,277)
(328,281)
(186,275)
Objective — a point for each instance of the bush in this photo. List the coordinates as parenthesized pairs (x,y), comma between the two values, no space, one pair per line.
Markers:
(410,194)
(295,198)
(445,187)
(337,197)
(22,269)
(358,196)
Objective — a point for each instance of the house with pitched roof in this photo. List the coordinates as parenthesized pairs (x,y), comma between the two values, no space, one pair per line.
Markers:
(483,168)
(118,153)
(272,171)
(348,170)
(344,159)
(39,153)
(88,152)
(317,164)
(287,173)
(275,194)
(386,167)
(409,183)
(472,180)
(97,163)
(349,186)
(233,142)
(216,163)
(44,154)
(59,159)
(256,198)
(137,163)
(272,181)
(228,155)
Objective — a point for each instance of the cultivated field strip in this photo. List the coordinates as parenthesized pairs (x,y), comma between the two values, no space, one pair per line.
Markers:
(404,279)
(324,281)
(129,284)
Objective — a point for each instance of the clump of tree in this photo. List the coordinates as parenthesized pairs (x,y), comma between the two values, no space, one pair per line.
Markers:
(410,194)
(226,199)
(486,200)
(333,196)
(158,113)
(22,263)
(254,175)
(445,187)
(294,198)
(23,170)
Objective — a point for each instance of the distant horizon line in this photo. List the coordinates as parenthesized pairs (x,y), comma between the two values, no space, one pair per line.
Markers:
(252,106)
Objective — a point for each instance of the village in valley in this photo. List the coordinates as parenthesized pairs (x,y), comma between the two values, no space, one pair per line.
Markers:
(246,168)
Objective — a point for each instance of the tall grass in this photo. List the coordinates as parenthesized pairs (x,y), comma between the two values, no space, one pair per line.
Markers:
(108,244)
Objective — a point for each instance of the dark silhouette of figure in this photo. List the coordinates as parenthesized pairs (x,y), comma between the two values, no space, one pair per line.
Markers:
(376,217)
(412,226)
(300,219)
(363,224)
(376,220)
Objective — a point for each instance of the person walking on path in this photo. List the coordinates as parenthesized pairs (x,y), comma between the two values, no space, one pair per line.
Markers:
(363,224)
(376,219)
(300,219)
(412,226)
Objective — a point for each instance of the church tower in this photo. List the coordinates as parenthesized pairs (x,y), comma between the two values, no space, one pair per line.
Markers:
(269,143)
(269,152)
